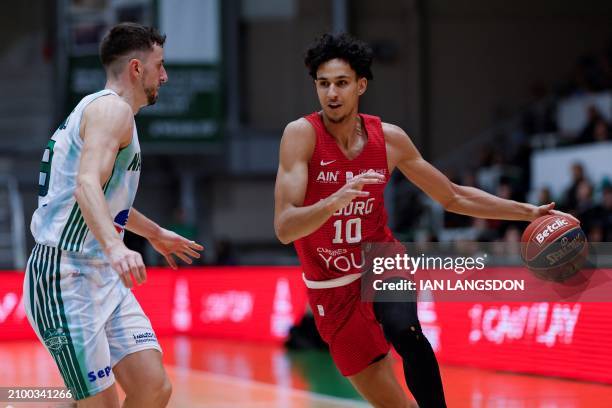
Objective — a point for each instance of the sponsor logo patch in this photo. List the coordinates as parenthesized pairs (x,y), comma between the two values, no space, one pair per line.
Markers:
(325,163)
(55,339)
(144,337)
(101,373)
(550,228)
(321,310)
(328,177)
(121,220)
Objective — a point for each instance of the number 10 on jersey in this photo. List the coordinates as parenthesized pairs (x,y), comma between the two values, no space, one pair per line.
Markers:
(352,231)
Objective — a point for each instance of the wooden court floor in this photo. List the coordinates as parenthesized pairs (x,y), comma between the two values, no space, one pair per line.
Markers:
(224,374)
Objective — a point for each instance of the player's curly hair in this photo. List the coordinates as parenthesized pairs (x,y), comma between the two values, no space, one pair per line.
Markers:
(330,46)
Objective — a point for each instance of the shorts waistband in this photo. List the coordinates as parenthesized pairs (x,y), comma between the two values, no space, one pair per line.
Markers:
(331,283)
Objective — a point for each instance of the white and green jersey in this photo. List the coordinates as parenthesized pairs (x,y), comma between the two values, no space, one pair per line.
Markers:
(58,222)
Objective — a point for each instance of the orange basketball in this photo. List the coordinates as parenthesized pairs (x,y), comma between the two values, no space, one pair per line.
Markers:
(554,247)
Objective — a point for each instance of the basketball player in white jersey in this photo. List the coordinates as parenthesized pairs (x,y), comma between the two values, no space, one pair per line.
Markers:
(78,278)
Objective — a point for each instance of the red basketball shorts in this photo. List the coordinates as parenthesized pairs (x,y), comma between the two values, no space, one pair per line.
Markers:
(348,326)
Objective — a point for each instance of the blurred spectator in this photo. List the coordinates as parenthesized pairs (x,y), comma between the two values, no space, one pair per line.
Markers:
(483,232)
(595,233)
(595,119)
(500,227)
(512,242)
(492,169)
(584,196)
(468,178)
(512,234)
(596,129)
(586,210)
(540,117)
(596,218)
(504,190)
(544,196)
(522,162)
(602,131)
(570,194)
(409,208)
(606,214)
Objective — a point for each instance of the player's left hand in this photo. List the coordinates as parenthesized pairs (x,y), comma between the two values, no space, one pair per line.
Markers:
(171,244)
(549,209)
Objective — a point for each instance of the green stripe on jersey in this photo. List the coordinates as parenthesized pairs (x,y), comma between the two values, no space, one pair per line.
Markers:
(72,220)
(76,229)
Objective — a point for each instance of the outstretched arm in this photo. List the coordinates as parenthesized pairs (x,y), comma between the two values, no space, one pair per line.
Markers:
(455,198)
(293,220)
(165,242)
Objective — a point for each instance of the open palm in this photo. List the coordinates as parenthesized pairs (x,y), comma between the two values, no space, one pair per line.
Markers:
(171,244)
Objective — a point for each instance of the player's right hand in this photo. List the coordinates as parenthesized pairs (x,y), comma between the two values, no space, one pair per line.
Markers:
(127,262)
(354,189)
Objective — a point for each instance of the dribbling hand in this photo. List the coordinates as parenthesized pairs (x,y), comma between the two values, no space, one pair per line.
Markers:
(548,209)
(354,189)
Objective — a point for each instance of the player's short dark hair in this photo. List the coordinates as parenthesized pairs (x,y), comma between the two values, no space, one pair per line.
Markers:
(128,37)
(357,53)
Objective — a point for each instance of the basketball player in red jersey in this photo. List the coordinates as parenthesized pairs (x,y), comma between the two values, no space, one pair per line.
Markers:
(334,165)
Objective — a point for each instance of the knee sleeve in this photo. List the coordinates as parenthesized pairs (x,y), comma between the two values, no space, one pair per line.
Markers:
(402,329)
(397,317)
(410,340)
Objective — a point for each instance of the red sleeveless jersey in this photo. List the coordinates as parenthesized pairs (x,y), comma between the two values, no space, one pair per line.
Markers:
(335,249)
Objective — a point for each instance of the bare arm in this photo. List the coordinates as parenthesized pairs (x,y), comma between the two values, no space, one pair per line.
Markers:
(292,220)
(106,126)
(164,241)
(139,224)
(455,198)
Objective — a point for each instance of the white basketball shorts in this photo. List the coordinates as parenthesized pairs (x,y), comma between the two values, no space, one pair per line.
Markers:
(85,316)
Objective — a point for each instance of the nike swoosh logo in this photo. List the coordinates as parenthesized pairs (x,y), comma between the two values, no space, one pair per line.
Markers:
(324,163)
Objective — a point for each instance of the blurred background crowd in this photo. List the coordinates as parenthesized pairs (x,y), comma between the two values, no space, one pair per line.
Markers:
(571,111)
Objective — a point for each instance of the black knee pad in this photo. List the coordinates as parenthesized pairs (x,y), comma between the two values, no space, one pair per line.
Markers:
(396,317)
(400,324)
(407,341)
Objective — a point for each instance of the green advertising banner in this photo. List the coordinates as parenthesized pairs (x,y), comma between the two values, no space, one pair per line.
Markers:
(188,107)
(190,104)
